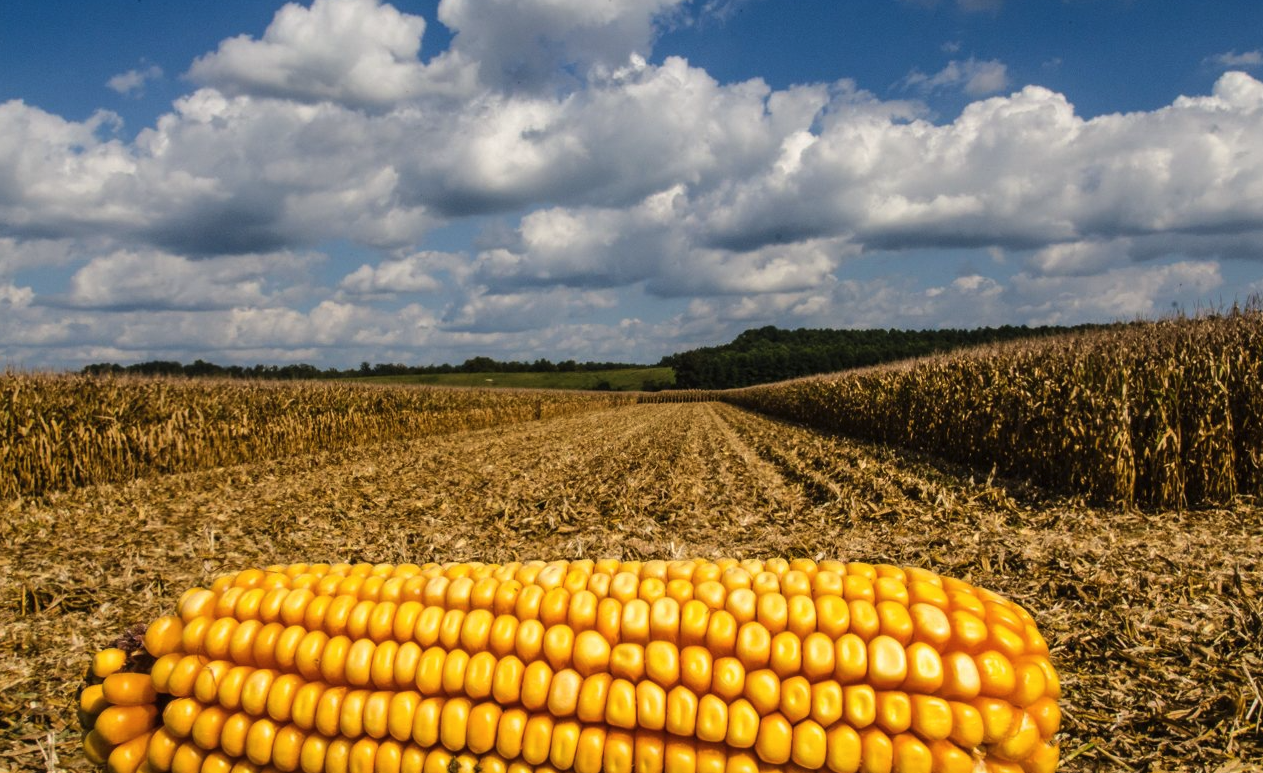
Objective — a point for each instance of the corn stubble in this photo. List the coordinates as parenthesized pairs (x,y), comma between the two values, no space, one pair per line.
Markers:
(687,666)
(1160,415)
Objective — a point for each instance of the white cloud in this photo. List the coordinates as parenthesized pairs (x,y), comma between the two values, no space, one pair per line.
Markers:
(358,52)
(132,83)
(1080,258)
(976,78)
(526,45)
(1231,59)
(157,280)
(411,274)
(14,296)
(1020,171)
(1121,293)
(517,312)
(615,181)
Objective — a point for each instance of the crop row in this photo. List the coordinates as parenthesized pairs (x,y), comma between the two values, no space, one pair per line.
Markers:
(1165,414)
(58,432)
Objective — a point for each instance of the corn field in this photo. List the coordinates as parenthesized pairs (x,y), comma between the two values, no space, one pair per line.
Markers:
(59,432)
(1164,414)
(1154,621)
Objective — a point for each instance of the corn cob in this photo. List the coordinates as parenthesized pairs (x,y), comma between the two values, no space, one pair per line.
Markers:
(694,666)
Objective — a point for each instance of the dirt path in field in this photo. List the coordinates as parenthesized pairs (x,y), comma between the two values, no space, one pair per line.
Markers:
(1155,620)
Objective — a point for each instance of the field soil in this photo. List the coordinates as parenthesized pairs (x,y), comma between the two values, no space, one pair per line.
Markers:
(1155,619)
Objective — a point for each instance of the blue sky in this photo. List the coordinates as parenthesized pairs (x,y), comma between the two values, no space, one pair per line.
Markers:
(346,180)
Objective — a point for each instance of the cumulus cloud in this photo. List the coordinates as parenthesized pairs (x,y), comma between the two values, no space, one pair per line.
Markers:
(358,52)
(14,296)
(614,180)
(976,78)
(1080,258)
(161,281)
(411,274)
(527,45)
(1022,171)
(132,83)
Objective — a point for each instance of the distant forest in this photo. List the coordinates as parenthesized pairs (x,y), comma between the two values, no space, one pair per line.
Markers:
(754,357)
(770,354)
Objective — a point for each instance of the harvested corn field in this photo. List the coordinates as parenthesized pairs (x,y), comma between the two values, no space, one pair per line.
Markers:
(1154,620)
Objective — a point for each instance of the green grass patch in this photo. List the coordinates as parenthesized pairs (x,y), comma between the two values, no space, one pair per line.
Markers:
(622,379)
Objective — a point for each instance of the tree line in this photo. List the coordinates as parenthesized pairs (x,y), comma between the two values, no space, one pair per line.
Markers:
(201,368)
(769,354)
(757,356)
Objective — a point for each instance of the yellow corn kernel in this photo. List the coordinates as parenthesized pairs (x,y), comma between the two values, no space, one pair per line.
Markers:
(729,678)
(506,681)
(754,646)
(92,700)
(664,621)
(619,752)
(763,690)
(306,701)
(662,663)
(694,620)
(895,621)
(481,727)
(650,753)
(967,726)
(743,724)
(658,666)
(564,744)
(833,615)
(651,706)
(887,663)
(681,711)
(454,667)
(997,678)
(255,689)
(786,657)
(537,739)
(925,669)
(775,739)
(509,733)
(425,722)
(850,659)
(721,634)
(120,724)
(377,714)
(593,696)
(128,756)
(826,703)
(844,752)
(809,745)
(164,635)
(563,693)
(209,726)
(592,653)
(818,656)
(894,711)
(536,681)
